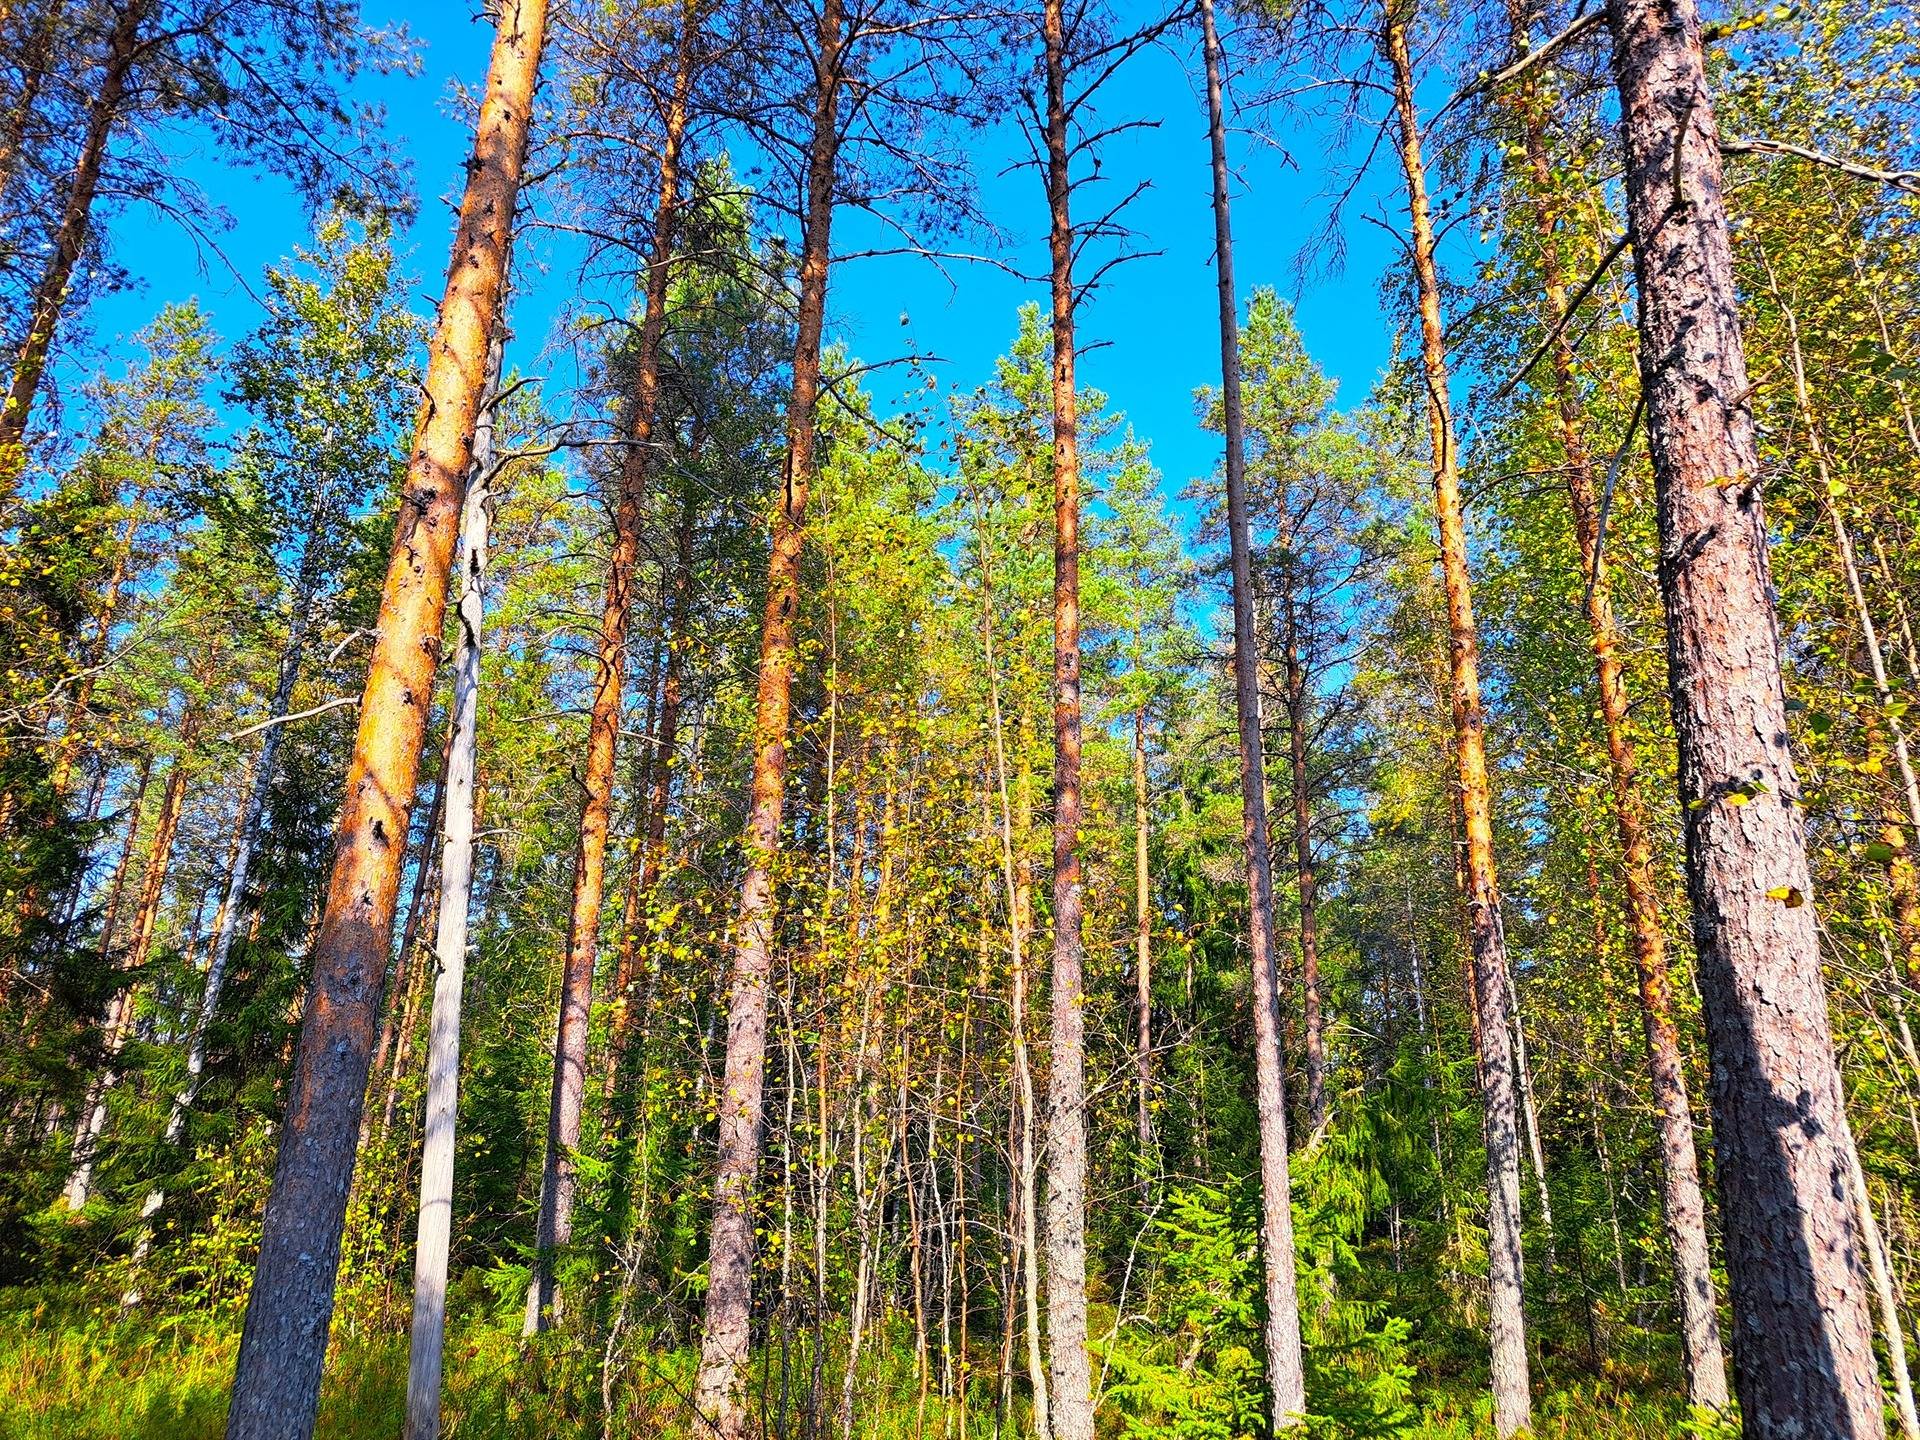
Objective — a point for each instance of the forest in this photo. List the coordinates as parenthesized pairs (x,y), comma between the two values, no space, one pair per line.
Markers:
(595,849)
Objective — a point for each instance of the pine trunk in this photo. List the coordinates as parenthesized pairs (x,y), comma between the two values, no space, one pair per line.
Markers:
(719,1398)
(1803,1358)
(1803,1336)
(108,93)
(1070,1373)
(1512,1403)
(554,1229)
(276,1389)
(1286,1370)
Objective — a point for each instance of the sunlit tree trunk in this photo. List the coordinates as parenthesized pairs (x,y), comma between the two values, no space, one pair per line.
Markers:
(1512,1402)
(1683,1206)
(276,1389)
(1286,1370)
(718,1396)
(1802,1340)
(554,1228)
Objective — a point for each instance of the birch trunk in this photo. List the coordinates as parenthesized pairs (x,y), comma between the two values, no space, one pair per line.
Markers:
(431,1247)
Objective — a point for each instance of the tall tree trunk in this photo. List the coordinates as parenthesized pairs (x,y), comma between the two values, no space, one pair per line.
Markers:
(450,947)
(1802,1345)
(554,1229)
(718,1398)
(1512,1402)
(108,94)
(1286,1370)
(1142,947)
(1071,1377)
(276,1390)
(1683,1206)
(1296,682)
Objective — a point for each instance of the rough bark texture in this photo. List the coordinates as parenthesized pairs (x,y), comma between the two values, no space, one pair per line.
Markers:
(1286,1369)
(1802,1342)
(109,93)
(1070,1378)
(1512,1404)
(276,1390)
(1683,1206)
(719,1398)
(554,1228)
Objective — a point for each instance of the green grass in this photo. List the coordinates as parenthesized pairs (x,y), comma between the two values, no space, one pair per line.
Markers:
(102,1376)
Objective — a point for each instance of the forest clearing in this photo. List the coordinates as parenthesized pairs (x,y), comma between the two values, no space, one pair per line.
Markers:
(1088,718)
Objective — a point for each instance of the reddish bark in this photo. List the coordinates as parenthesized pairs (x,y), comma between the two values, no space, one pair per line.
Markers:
(1487,940)
(719,1399)
(276,1389)
(554,1228)
(109,93)
(1803,1334)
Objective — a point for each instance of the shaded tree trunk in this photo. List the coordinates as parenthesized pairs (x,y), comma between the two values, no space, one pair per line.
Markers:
(1286,1371)
(276,1388)
(146,921)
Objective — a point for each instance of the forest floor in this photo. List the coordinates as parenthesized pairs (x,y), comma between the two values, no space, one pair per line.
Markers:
(68,1376)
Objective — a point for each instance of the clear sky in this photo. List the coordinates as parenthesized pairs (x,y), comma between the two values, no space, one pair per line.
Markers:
(1150,335)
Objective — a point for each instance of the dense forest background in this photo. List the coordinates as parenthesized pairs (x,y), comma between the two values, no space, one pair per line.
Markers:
(785,890)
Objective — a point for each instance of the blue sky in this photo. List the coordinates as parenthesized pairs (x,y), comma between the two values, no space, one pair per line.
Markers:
(1150,334)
